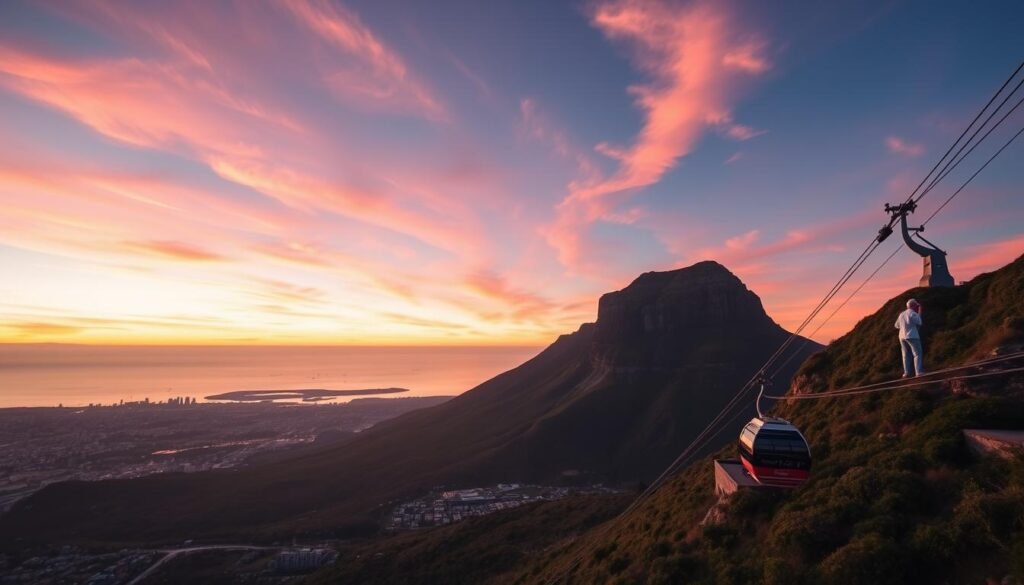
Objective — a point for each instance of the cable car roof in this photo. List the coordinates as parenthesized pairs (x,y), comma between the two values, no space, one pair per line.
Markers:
(771,424)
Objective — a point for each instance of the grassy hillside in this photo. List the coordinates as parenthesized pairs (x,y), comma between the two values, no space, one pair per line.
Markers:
(895,496)
(469,552)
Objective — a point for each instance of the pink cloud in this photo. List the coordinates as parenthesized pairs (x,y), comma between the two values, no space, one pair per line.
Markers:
(495,287)
(748,57)
(226,165)
(167,107)
(482,86)
(742,133)
(175,250)
(747,247)
(538,126)
(902,147)
(352,61)
(742,242)
(681,49)
(375,73)
(693,56)
(986,258)
(143,103)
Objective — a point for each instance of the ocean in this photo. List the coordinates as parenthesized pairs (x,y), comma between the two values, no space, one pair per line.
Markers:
(76,375)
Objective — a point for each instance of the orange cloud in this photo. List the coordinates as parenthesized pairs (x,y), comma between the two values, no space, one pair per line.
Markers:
(745,248)
(36,329)
(693,55)
(986,257)
(175,250)
(281,291)
(144,103)
(523,303)
(682,49)
(303,192)
(174,107)
(285,193)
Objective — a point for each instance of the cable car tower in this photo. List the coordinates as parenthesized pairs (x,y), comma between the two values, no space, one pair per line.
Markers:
(936,270)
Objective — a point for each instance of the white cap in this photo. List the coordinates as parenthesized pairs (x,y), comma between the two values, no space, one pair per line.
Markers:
(913,303)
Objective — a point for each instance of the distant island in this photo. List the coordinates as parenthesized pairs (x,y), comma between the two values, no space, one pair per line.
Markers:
(306,395)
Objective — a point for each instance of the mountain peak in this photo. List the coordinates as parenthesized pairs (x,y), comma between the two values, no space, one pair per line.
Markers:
(704,268)
(703,298)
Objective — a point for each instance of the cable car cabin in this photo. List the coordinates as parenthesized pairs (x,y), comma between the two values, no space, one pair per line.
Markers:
(775,453)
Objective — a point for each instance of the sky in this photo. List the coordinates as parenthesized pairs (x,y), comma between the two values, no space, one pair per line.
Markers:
(458,172)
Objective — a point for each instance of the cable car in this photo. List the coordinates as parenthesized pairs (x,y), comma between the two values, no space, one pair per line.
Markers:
(774,452)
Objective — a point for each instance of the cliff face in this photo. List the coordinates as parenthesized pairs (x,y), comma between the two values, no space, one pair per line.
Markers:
(694,316)
(665,353)
(704,298)
(615,401)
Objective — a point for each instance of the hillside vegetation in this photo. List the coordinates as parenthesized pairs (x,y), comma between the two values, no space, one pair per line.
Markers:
(895,495)
(472,551)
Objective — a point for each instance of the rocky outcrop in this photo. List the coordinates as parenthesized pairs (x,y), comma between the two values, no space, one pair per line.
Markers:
(698,316)
(693,300)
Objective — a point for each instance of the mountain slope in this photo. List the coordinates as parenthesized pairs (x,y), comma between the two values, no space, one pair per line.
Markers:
(614,401)
(472,551)
(895,495)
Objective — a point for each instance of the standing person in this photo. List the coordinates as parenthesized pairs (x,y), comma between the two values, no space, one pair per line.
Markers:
(908,323)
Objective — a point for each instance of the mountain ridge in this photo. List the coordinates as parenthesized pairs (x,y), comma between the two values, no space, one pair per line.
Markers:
(895,496)
(613,401)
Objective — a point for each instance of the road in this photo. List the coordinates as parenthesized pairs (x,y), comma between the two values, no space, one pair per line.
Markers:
(173,553)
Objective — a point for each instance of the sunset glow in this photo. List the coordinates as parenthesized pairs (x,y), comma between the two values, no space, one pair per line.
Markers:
(367,173)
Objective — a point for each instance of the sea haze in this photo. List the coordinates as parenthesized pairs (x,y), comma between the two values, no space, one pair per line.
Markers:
(74,375)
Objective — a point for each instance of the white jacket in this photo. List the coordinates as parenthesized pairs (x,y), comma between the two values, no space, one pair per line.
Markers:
(907,323)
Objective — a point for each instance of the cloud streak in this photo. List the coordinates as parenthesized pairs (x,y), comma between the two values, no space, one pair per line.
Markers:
(693,56)
(370,73)
(901,147)
(328,172)
(175,250)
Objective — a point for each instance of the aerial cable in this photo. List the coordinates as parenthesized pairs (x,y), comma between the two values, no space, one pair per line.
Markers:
(967,129)
(872,246)
(910,203)
(893,254)
(840,391)
(946,168)
(821,305)
(971,178)
(899,387)
(698,442)
(807,339)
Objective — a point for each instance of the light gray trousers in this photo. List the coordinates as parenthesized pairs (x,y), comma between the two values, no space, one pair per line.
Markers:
(912,357)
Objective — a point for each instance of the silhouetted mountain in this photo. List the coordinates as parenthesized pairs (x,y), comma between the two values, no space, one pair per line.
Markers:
(895,496)
(614,401)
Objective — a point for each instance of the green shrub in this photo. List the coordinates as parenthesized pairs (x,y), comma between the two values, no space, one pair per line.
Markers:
(869,560)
